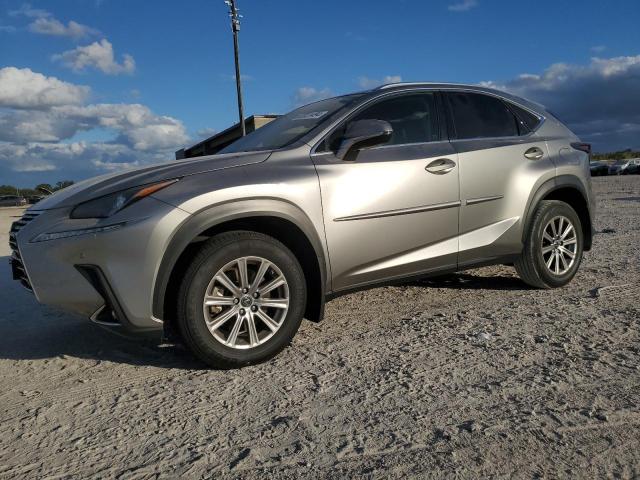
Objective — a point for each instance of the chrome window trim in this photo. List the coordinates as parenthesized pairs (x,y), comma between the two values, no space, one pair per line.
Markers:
(327,131)
(511,138)
(380,147)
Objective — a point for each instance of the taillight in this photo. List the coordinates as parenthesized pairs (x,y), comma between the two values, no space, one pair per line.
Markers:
(583,147)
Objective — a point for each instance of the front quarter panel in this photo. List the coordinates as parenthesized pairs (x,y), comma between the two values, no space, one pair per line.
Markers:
(285,186)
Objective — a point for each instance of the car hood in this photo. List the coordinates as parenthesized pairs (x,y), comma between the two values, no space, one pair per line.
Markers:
(114,182)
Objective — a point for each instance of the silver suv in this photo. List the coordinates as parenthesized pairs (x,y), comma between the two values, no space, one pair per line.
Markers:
(229,252)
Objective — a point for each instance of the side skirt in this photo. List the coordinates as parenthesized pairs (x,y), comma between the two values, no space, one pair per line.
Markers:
(485,262)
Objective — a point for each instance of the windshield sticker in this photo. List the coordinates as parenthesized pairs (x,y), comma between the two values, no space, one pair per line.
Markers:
(310,116)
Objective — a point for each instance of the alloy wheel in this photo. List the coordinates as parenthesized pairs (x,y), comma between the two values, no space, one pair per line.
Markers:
(559,245)
(246,302)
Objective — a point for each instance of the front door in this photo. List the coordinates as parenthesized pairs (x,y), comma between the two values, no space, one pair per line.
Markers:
(393,211)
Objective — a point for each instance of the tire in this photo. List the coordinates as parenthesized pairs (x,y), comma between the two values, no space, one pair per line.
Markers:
(218,347)
(533,265)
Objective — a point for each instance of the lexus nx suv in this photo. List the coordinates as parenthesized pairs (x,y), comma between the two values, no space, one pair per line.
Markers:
(228,253)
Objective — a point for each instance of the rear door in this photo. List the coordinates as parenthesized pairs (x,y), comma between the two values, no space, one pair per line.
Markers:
(392,212)
(500,159)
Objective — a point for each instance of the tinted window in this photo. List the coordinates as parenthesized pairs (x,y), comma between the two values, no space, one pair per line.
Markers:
(478,116)
(527,120)
(413,118)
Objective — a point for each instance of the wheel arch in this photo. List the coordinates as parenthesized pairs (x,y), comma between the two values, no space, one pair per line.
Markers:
(279,219)
(571,190)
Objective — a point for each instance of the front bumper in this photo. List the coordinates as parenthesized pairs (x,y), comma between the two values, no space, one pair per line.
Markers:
(107,276)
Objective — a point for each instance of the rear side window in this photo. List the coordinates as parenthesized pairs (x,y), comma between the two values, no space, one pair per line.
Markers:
(527,120)
(481,116)
(413,118)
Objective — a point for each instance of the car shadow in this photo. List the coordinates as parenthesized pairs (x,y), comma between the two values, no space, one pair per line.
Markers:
(466,281)
(30,331)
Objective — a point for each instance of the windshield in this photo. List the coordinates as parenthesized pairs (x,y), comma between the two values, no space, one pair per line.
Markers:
(288,128)
(621,162)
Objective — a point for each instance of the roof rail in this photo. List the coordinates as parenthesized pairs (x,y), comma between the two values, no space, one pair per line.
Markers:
(426,84)
(399,84)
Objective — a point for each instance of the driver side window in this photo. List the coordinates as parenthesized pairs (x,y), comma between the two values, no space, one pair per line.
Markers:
(413,118)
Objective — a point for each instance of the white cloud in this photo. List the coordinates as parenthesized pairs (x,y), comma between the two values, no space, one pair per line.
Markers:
(598,48)
(599,101)
(40,116)
(137,126)
(24,88)
(46,24)
(463,6)
(36,126)
(51,26)
(74,159)
(304,95)
(368,83)
(27,10)
(98,55)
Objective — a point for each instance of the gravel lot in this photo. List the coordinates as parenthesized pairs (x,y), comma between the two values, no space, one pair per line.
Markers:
(472,374)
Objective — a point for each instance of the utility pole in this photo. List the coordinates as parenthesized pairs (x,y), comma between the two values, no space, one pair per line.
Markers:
(235,28)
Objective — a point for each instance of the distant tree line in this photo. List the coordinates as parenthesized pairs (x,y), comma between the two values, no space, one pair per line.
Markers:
(621,155)
(39,189)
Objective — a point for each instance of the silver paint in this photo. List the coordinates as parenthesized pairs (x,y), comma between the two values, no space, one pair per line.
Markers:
(383,216)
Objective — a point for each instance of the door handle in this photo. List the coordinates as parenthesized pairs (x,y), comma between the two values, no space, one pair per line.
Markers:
(534,153)
(440,166)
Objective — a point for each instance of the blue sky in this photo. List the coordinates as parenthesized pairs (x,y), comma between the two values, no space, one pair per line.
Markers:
(179,67)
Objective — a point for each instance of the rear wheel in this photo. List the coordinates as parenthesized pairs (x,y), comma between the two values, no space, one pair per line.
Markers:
(553,246)
(241,300)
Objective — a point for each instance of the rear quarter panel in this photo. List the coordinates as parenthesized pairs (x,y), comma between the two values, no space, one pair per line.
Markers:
(569,161)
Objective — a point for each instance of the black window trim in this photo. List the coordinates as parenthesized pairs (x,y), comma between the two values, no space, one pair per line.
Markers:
(379,98)
(510,106)
(454,137)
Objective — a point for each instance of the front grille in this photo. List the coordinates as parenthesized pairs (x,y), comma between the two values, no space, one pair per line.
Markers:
(17,265)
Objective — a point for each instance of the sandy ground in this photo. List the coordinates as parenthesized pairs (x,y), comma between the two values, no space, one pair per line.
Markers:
(470,375)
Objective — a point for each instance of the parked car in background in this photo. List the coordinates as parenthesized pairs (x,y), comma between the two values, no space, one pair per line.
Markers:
(626,166)
(34,199)
(598,168)
(12,201)
(227,253)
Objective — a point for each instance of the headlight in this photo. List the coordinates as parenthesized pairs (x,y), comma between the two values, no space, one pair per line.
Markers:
(108,205)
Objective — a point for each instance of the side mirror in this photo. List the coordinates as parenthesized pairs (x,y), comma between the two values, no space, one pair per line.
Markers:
(363,134)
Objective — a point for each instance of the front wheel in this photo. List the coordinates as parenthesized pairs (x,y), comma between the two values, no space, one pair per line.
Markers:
(242,299)
(553,246)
